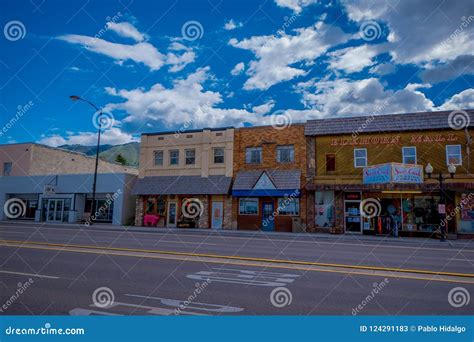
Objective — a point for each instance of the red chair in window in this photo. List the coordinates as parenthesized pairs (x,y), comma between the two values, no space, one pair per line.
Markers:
(151,220)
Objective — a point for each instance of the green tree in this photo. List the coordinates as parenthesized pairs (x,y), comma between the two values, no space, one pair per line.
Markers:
(120,159)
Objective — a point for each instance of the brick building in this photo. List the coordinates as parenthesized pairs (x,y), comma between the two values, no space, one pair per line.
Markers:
(381,162)
(269,168)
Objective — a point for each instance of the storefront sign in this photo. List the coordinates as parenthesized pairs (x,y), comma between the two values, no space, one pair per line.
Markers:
(394,139)
(377,174)
(393,173)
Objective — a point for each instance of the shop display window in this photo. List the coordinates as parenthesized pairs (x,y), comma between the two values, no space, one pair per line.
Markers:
(324,216)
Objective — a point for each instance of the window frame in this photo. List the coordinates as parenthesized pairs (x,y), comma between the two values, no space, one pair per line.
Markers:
(365,158)
(447,154)
(251,149)
(330,154)
(404,155)
(170,158)
(214,155)
(293,199)
(291,149)
(186,156)
(5,173)
(249,199)
(162,157)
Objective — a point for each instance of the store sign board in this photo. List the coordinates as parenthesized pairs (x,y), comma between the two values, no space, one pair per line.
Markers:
(377,174)
(393,173)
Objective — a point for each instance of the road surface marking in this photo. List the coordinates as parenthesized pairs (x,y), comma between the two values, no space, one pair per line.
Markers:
(243,258)
(244,277)
(257,238)
(30,274)
(248,264)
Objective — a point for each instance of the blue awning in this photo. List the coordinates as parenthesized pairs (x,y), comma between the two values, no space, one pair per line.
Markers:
(269,193)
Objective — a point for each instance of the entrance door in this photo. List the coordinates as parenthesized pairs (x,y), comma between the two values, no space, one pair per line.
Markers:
(352,217)
(55,210)
(268,216)
(217,212)
(172,214)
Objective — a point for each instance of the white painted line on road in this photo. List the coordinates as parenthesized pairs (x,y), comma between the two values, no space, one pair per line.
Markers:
(30,274)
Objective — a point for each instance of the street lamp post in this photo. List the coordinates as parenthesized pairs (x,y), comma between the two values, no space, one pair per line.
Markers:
(442,197)
(94,183)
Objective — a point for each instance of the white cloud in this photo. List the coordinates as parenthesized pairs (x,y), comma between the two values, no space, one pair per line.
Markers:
(383,69)
(264,108)
(353,59)
(295,5)
(127,30)
(421,30)
(463,100)
(186,101)
(141,52)
(232,25)
(113,136)
(462,65)
(276,56)
(238,69)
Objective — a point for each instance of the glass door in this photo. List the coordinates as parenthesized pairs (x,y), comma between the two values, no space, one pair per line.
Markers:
(352,217)
(172,214)
(55,210)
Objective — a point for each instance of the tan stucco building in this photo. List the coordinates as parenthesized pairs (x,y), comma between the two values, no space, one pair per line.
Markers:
(185,178)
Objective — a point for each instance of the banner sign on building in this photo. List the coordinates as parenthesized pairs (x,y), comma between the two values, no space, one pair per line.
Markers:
(393,173)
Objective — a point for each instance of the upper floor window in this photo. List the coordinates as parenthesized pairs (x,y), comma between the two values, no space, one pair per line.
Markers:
(190,157)
(7,168)
(409,155)
(330,162)
(174,157)
(218,155)
(253,155)
(360,157)
(158,158)
(453,155)
(286,154)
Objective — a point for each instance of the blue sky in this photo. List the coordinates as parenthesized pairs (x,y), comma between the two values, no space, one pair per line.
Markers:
(171,65)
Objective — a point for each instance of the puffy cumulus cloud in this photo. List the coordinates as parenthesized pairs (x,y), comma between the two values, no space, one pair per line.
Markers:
(238,69)
(276,56)
(463,100)
(344,97)
(141,52)
(354,59)
(383,69)
(461,65)
(295,5)
(112,136)
(185,102)
(232,25)
(264,108)
(421,30)
(127,30)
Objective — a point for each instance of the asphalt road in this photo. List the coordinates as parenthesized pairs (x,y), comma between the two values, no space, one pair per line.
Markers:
(63,280)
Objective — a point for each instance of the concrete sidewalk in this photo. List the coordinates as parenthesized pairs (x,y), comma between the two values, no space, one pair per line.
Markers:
(468,243)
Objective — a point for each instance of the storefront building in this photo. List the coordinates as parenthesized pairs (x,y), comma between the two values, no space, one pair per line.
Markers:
(368,175)
(185,179)
(268,190)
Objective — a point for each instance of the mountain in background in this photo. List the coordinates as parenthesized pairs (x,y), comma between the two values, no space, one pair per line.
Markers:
(130,151)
